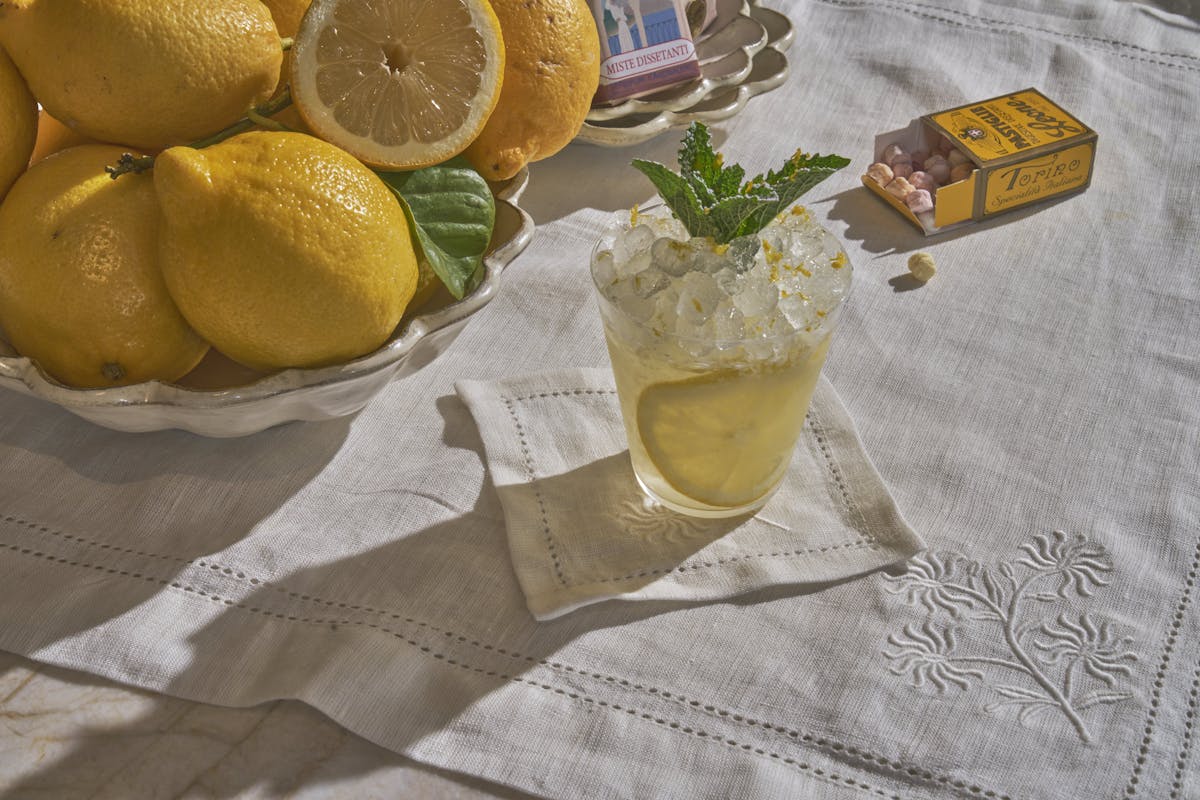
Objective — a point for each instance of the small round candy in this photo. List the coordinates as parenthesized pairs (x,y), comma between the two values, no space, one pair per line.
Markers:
(902,169)
(922,266)
(923,180)
(961,172)
(880,173)
(957,157)
(918,201)
(891,153)
(899,187)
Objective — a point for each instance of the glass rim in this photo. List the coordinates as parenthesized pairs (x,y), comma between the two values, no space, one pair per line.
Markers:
(825,327)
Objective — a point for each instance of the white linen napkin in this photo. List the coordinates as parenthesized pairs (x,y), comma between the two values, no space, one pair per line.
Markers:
(581,531)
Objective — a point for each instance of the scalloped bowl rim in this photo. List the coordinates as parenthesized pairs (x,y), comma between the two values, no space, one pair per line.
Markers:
(21,374)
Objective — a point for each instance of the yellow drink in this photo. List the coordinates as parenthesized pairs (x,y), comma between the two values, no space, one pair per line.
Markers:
(716,354)
(713,440)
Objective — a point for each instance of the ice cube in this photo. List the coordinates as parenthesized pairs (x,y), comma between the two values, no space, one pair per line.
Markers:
(639,238)
(671,256)
(604,268)
(698,298)
(742,251)
(649,282)
(728,322)
(758,296)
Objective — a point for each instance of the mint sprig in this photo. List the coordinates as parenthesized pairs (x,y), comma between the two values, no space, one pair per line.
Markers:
(710,199)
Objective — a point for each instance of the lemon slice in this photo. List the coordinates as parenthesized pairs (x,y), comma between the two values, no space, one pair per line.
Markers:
(724,439)
(400,84)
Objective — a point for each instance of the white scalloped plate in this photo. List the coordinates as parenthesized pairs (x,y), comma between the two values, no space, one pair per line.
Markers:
(741,56)
(223,399)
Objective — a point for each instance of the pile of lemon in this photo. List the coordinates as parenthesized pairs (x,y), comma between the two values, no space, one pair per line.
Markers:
(237,222)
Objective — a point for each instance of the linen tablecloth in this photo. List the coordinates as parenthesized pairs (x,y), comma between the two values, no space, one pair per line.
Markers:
(1034,410)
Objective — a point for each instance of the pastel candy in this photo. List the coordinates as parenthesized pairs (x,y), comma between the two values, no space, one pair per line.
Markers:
(961,171)
(880,173)
(919,201)
(922,266)
(957,157)
(939,170)
(891,153)
(923,180)
(902,169)
(918,159)
(899,187)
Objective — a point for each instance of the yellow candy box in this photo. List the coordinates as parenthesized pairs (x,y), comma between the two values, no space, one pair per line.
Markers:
(1024,148)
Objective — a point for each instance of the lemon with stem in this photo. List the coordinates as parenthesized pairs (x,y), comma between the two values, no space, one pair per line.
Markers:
(283,250)
(81,292)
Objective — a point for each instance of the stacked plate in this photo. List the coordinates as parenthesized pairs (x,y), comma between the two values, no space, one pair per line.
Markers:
(741,55)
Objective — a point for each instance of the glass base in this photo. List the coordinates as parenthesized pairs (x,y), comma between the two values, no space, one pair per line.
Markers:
(705,511)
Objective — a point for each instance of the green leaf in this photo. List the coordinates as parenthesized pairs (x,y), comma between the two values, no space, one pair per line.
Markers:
(703,169)
(451,212)
(710,199)
(679,195)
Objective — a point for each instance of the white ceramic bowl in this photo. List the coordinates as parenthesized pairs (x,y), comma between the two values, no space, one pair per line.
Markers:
(223,399)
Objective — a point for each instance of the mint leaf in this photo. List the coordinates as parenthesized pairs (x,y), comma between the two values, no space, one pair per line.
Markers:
(679,196)
(451,212)
(703,169)
(710,199)
(801,173)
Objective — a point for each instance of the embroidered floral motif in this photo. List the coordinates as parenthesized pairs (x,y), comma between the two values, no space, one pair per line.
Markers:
(1074,662)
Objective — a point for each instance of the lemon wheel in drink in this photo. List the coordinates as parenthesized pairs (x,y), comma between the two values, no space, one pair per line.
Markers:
(725,439)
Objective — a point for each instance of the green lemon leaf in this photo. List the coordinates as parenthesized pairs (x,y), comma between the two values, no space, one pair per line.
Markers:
(451,212)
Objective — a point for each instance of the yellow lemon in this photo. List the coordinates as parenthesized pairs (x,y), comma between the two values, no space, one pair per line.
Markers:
(18,123)
(287,15)
(400,84)
(147,73)
(80,288)
(552,69)
(283,250)
(53,136)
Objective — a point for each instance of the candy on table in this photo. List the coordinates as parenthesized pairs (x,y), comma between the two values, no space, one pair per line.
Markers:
(922,266)
(880,173)
(923,180)
(919,201)
(899,187)
(902,169)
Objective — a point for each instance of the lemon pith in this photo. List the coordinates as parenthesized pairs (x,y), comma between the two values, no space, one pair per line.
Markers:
(399,84)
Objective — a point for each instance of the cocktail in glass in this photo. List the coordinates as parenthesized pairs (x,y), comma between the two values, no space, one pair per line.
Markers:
(716,351)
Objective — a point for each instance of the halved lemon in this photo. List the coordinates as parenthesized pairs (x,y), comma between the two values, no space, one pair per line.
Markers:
(399,84)
(725,439)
